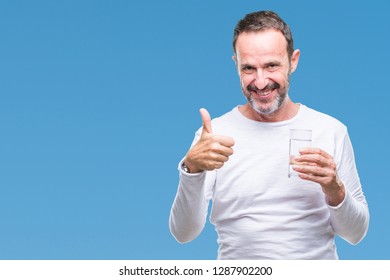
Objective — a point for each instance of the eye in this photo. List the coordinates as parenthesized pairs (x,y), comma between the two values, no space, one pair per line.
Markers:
(272,67)
(247,69)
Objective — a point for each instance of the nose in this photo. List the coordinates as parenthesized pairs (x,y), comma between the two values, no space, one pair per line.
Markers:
(261,79)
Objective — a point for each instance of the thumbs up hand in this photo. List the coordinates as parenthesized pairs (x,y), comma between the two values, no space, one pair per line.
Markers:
(211,151)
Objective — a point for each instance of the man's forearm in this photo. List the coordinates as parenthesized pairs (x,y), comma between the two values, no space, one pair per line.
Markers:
(189,210)
(350,219)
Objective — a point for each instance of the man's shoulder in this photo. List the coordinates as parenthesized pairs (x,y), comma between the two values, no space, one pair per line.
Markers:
(323,119)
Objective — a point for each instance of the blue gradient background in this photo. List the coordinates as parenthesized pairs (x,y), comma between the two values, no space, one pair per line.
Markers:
(99,101)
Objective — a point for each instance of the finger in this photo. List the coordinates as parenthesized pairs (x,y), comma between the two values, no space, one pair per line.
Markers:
(313,150)
(212,165)
(315,171)
(206,120)
(318,159)
(224,140)
(223,150)
(219,158)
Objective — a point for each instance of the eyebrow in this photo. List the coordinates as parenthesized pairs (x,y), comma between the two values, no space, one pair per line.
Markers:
(247,65)
(273,62)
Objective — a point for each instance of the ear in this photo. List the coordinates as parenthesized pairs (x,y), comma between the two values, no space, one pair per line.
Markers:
(295,60)
(234,58)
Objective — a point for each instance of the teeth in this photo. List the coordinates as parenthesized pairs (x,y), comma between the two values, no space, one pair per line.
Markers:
(263,93)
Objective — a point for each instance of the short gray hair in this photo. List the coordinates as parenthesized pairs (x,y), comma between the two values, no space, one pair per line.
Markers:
(264,20)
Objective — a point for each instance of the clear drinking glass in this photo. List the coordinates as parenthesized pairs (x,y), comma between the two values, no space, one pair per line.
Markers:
(299,138)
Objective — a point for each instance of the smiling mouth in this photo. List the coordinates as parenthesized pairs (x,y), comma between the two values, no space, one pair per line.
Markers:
(263,93)
(266,91)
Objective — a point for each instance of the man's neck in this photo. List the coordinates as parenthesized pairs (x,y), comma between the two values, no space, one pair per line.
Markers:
(287,111)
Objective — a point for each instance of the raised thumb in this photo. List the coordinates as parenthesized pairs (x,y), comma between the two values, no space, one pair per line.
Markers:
(206,119)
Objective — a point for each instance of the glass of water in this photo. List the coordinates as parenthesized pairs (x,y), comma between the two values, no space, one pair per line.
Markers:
(299,138)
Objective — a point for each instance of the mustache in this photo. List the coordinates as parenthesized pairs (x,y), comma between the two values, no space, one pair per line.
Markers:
(268,87)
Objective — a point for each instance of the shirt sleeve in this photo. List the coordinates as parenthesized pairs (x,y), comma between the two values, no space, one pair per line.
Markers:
(189,210)
(190,207)
(350,218)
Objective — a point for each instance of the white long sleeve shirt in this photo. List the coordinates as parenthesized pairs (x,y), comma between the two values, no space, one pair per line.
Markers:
(258,211)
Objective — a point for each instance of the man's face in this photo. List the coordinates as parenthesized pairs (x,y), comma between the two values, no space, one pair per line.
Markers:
(264,69)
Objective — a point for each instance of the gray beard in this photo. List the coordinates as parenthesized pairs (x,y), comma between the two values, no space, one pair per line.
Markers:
(276,103)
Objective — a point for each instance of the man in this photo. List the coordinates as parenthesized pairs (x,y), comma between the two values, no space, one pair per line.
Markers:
(240,160)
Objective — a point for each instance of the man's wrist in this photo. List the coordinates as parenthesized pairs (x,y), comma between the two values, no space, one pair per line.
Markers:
(337,197)
(188,168)
(184,167)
